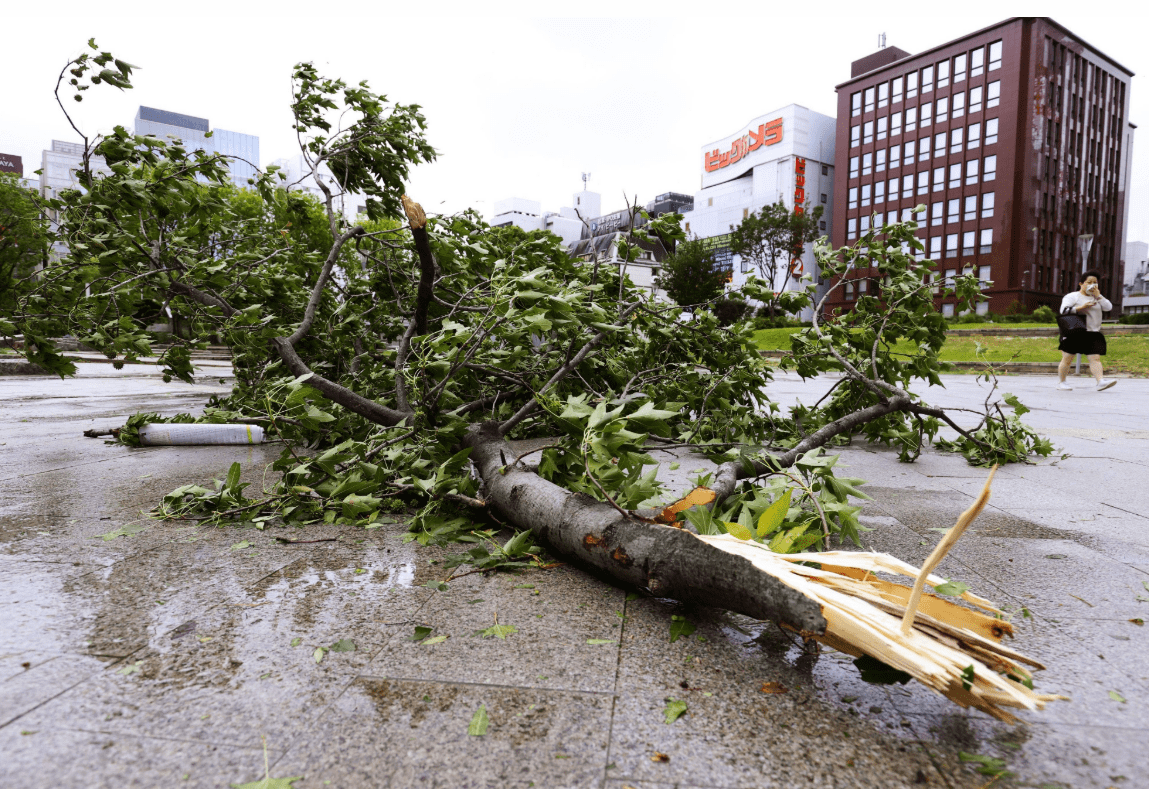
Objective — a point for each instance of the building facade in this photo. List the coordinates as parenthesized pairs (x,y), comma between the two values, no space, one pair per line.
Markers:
(59,165)
(1136,278)
(1014,138)
(566,223)
(242,149)
(785,155)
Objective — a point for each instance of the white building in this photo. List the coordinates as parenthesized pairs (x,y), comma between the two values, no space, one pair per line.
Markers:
(59,165)
(566,223)
(299,177)
(243,149)
(785,155)
(1136,278)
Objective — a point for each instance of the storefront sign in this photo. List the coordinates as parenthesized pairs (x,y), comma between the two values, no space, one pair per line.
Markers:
(799,185)
(769,133)
(796,267)
(10,163)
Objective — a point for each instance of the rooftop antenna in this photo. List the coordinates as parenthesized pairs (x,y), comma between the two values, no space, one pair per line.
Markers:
(881,41)
(585,178)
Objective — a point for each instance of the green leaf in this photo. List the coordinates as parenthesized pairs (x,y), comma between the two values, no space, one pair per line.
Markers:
(438,586)
(498,631)
(239,546)
(774,515)
(296,641)
(479,722)
(269,783)
(598,641)
(675,709)
(680,626)
(319,654)
(952,588)
(343,645)
(132,668)
(967,677)
(737,530)
(421,632)
(1116,696)
(989,765)
(434,640)
(124,531)
(233,474)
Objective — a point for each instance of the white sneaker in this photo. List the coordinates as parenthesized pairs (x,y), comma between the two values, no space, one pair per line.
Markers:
(1064,386)
(1105,383)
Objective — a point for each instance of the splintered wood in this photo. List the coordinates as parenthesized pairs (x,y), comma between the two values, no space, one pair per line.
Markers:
(948,647)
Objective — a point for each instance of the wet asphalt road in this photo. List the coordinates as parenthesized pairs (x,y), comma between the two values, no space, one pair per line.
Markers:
(178,655)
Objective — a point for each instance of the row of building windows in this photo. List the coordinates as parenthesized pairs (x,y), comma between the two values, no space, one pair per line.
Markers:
(926,114)
(911,151)
(956,209)
(972,241)
(956,68)
(857,288)
(919,183)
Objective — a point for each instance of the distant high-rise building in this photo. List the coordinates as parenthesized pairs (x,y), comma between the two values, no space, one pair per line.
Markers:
(242,148)
(1016,140)
(59,164)
(298,177)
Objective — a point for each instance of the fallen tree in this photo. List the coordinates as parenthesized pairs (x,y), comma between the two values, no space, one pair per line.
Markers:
(399,356)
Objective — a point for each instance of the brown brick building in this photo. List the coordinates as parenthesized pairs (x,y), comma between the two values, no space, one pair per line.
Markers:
(1016,140)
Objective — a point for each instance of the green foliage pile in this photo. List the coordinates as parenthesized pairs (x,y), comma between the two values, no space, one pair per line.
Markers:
(372,349)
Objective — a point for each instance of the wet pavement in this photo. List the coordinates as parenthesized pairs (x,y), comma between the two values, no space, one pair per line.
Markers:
(135,653)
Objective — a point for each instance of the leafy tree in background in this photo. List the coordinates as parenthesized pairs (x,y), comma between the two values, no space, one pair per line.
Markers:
(771,239)
(689,276)
(401,358)
(25,241)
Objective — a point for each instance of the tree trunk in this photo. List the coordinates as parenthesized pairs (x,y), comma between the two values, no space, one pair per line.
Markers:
(666,561)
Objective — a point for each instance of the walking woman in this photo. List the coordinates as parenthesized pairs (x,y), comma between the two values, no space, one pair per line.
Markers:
(1087,302)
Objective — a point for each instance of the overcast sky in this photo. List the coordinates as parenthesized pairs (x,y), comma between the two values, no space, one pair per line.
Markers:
(518,104)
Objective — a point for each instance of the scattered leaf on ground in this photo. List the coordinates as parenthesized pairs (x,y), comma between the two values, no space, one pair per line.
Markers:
(479,721)
(1116,696)
(498,631)
(1138,621)
(631,596)
(296,641)
(421,632)
(123,531)
(359,571)
(132,668)
(343,645)
(524,586)
(434,640)
(239,546)
(438,586)
(269,783)
(319,653)
(597,641)
(680,626)
(989,765)
(675,709)
(773,687)
(659,757)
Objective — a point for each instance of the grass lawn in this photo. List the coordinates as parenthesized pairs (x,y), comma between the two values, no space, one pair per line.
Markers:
(1128,354)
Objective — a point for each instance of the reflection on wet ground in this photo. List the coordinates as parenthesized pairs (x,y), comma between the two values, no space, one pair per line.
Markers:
(139,653)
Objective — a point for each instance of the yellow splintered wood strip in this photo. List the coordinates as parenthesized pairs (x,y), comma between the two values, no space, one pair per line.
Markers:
(948,541)
(930,638)
(874,563)
(873,631)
